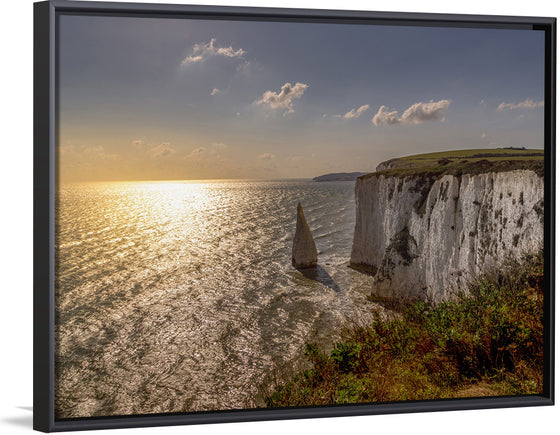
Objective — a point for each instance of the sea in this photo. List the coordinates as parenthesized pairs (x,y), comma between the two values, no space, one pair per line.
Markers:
(180,296)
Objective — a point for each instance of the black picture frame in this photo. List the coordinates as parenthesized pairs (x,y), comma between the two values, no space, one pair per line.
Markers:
(45,140)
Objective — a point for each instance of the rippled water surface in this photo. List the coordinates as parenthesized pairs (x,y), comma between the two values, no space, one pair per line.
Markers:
(180,296)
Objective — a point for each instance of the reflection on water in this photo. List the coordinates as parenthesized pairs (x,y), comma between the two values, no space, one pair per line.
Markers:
(180,296)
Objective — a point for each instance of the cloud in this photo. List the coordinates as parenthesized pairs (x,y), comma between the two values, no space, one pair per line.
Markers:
(203,51)
(67,150)
(384,117)
(87,153)
(248,68)
(283,99)
(197,153)
(162,150)
(215,91)
(266,157)
(423,112)
(99,152)
(416,114)
(142,148)
(527,104)
(207,152)
(355,113)
(219,146)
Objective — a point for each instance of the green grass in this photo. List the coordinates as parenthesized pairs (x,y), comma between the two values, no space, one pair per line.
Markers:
(472,153)
(435,165)
(488,342)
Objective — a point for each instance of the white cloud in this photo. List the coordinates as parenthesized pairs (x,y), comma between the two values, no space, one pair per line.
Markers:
(416,114)
(422,112)
(203,51)
(162,150)
(193,59)
(215,91)
(266,156)
(283,99)
(384,117)
(527,104)
(356,113)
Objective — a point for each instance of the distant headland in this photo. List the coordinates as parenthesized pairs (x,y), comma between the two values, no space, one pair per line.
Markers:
(340,176)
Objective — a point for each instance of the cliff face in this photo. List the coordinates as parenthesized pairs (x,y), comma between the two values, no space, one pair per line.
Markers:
(425,237)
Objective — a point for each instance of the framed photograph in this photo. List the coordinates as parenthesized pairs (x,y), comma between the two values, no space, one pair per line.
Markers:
(255,214)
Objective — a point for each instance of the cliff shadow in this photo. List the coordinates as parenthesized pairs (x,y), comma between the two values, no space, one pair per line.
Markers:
(320,275)
(363,268)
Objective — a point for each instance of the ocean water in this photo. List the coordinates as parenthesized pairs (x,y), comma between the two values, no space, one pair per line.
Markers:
(180,296)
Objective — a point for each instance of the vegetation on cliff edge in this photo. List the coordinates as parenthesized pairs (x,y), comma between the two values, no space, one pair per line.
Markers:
(488,342)
(476,161)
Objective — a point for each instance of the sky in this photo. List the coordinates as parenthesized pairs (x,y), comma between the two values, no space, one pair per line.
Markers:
(170,99)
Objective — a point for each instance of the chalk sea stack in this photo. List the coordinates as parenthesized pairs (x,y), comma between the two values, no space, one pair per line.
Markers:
(304,251)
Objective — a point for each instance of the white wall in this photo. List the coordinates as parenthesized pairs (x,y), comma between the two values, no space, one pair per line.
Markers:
(16,243)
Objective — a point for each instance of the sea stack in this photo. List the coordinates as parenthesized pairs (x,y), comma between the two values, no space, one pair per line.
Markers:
(304,251)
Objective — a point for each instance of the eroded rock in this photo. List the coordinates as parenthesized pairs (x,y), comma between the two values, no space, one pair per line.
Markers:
(304,251)
(426,238)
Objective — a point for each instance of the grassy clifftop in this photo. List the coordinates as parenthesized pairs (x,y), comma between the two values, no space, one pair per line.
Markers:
(460,162)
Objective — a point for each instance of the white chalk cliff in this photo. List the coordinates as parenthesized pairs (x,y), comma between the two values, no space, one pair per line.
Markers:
(426,238)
